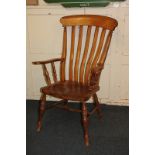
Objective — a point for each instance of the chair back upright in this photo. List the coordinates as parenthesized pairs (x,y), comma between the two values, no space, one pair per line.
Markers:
(85,53)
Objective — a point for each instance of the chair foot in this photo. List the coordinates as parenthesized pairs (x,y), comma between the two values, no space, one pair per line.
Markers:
(96,102)
(38,126)
(85,123)
(86,140)
(41,112)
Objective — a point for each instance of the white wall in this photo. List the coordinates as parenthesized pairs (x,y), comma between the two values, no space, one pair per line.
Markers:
(44,41)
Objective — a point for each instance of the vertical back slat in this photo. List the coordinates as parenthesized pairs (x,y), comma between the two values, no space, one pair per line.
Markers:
(64,52)
(106,47)
(100,45)
(91,55)
(85,54)
(72,54)
(76,68)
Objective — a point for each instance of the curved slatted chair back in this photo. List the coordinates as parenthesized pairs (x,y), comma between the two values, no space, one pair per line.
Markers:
(83,60)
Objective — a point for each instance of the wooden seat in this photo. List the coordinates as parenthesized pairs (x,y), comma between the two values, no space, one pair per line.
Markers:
(69,90)
(79,79)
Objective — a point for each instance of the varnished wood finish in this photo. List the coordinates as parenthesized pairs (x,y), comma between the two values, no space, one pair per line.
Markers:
(46,75)
(91,55)
(63,105)
(85,54)
(85,122)
(95,76)
(78,54)
(84,75)
(64,53)
(99,48)
(105,51)
(95,20)
(41,111)
(69,90)
(54,72)
(47,61)
(72,54)
(45,71)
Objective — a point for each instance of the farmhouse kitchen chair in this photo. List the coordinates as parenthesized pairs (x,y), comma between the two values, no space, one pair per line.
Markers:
(84,67)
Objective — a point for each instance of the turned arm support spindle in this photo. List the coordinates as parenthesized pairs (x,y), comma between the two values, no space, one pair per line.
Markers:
(45,71)
(95,77)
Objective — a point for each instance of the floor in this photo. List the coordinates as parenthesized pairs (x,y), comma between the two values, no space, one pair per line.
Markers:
(62,133)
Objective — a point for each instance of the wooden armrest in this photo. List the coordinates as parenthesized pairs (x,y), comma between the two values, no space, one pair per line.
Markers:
(45,71)
(47,61)
(97,69)
(95,76)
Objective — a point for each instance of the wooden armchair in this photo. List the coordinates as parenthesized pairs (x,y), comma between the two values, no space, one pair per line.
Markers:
(84,68)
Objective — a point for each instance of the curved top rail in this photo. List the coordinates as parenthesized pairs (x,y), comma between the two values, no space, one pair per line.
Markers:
(89,20)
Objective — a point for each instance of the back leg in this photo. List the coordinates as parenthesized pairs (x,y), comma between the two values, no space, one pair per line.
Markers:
(41,111)
(96,102)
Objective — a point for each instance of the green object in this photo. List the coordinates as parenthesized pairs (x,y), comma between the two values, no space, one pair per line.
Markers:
(83,3)
(86,4)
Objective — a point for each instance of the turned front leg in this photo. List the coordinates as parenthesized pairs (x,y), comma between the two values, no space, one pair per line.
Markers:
(41,111)
(85,123)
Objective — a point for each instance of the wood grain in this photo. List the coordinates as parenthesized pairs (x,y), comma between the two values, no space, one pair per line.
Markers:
(88,66)
(46,75)
(72,54)
(100,45)
(106,47)
(85,54)
(89,20)
(76,69)
(54,72)
(64,53)
(84,77)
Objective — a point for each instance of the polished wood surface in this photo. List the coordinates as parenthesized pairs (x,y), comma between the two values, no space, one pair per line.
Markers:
(100,45)
(72,54)
(76,70)
(87,71)
(84,75)
(89,20)
(64,53)
(82,67)
(69,90)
